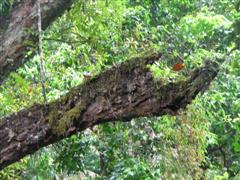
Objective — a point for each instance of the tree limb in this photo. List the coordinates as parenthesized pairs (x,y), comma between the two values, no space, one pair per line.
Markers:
(118,94)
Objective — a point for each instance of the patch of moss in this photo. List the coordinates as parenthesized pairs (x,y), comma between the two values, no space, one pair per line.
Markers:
(52,117)
(143,58)
(67,120)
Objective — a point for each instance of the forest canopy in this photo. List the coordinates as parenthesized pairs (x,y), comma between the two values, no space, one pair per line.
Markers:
(93,49)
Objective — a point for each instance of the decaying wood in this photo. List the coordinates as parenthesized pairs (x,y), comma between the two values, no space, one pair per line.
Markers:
(18,30)
(118,94)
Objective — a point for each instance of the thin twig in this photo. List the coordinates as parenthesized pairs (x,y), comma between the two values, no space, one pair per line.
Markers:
(42,70)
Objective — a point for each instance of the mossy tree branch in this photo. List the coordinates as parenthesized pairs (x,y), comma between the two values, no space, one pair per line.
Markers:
(118,94)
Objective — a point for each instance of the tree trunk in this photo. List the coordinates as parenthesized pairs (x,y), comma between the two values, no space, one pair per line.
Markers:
(18,31)
(118,94)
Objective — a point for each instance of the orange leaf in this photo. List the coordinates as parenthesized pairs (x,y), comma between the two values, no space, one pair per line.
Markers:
(178,66)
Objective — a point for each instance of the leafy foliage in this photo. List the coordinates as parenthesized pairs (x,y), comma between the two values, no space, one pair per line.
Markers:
(5,6)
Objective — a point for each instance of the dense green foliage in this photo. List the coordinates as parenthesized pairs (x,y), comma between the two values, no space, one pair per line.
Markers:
(5,6)
(202,141)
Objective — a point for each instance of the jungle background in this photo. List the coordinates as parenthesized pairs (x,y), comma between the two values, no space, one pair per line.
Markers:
(202,141)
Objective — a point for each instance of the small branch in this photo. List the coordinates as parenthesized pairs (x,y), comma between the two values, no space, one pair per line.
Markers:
(42,69)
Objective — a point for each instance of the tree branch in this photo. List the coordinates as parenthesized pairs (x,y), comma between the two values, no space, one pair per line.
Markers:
(118,94)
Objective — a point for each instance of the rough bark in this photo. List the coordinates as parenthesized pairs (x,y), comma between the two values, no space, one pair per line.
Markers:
(118,94)
(18,30)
